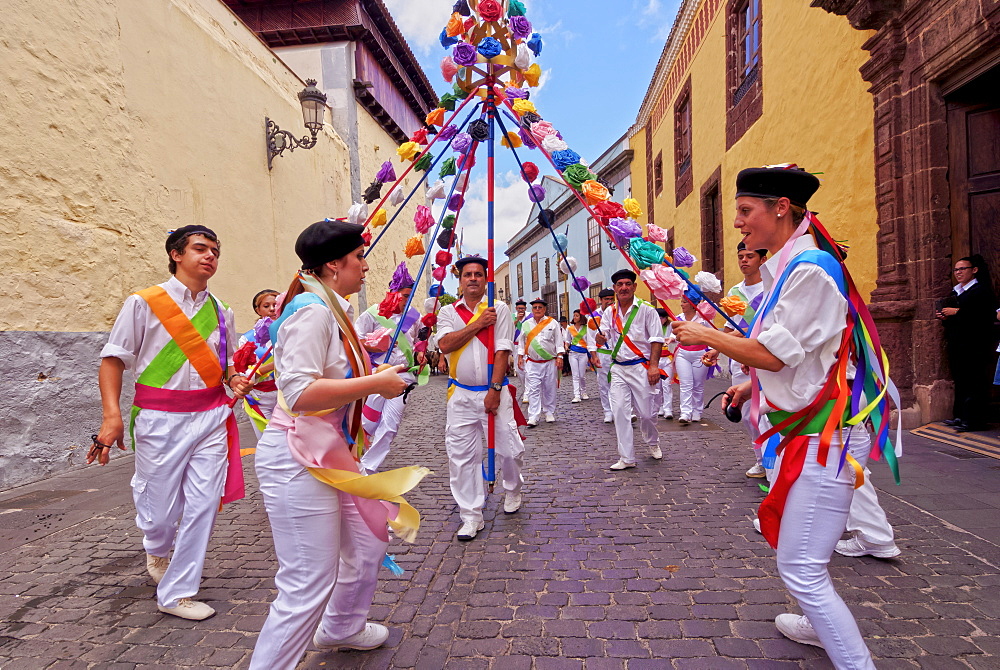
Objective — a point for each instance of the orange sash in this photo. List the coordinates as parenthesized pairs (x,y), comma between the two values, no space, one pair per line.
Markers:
(188,339)
(534,332)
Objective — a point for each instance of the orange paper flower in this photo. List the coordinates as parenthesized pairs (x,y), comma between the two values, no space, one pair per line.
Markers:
(436,117)
(532,74)
(414,246)
(733,305)
(511,139)
(456,25)
(407,151)
(594,191)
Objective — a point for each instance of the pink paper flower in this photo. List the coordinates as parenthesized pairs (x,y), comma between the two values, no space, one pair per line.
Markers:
(664,282)
(655,234)
(423,219)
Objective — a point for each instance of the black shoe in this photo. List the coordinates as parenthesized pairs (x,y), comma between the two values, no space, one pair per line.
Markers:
(952,422)
(966,428)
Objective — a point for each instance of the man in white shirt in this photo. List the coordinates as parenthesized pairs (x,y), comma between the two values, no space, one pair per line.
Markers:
(607,298)
(541,353)
(631,330)
(178,340)
(464,334)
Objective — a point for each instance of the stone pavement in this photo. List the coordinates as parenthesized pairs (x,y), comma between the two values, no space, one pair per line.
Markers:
(656,567)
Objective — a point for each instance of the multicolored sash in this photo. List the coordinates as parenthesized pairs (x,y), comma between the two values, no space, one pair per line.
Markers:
(529,340)
(576,336)
(752,305)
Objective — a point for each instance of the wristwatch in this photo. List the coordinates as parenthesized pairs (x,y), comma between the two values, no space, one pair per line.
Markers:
(496,386)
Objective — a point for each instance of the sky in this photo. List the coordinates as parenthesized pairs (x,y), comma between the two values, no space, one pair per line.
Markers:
(596,65)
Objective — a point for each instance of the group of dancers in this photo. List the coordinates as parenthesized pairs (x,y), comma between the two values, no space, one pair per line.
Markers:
(326,382)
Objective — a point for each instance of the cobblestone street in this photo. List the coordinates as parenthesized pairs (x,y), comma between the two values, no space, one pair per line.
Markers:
(656,567)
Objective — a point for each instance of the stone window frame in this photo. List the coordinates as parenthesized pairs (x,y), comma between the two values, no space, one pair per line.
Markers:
(683,144)
(534,271)
(658,174)
(594,236)
(713,256)
(744,85)
(520,280)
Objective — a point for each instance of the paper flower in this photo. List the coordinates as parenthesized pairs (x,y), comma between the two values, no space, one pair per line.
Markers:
(733,305)
(520,27)
(423,219)
(633,208)
(663,282)
(455,25)
(245,357)
(443,257)
(386,173)
(373,192)
(515,93)
(435,290)
(554,143)
(462,7)
(535,43)
(448,101)
(490,10)
(588,306)
(653,232)
(623,230)
(707,282)
(466,162)
(379,219)
(396,197)
(447,167)
(560,243)
(526,137)
(547,218)
(357,213)
(529,171)
(414,246)
(536,193)
(609,209)
(461,181)
(419,136)
(577,175)
(563,159)
(436,117)
(446,39)
(533,74)
(455,202)
(479,130)
(645,254)
(523,106)
(706,311)
(429,320)
(424,162)
(594,191)
(470,23)
(567,265)
(542,129)
(448,69)
(462,142)
(522,58)
(581,283)
(367,237)
(439,273)
(683,258)
(407,151)
(511,140)
(444,238)
(515,8)
(464,53)
(401,278)
(489,47)
(380,338)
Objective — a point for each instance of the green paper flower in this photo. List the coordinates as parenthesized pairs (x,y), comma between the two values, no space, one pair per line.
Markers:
(516,8)
(448,101)
(576,174)
(644,253)
(424,162)
(449,222)
(447,168)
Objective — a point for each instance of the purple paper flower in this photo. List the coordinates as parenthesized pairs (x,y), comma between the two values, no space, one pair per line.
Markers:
(462,142)
(520,27)
(261,334)
(536,193)
(456,202)
(527,139)
(447,133)
(386,173)
(489,47)
(623,230)
(464,53)
(581,283)
(683,258)
(401,278)
(514,93)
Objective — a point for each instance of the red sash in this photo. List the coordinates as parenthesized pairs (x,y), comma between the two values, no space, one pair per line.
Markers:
(466,314)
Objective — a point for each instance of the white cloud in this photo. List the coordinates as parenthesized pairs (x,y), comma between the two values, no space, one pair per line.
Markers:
(421,21)
(511,208)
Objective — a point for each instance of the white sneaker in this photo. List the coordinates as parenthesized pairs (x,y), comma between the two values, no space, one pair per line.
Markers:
(696,418)
(684,420)
(668,416)
(608,418)
(756,524)
(511,503)
(156,566)
(525,399)
(585,396)
(576,398)
(757,471)
(468,530)
(371,637)
(532,422)
(622,465)
(655,452)
(549,418)
(188,609)
(855,546)
(797,627)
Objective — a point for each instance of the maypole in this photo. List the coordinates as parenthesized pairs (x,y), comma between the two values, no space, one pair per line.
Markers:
(491,113)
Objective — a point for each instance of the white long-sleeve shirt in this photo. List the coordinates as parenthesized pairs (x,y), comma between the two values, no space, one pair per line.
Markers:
(367,324)
(645,330)
(138,336)
(471,368)
(550,338)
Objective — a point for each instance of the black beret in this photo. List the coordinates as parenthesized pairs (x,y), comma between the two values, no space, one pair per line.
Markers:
(623,274)
(606,293)
(326,241)
(189,230)
(793,183)
(465,260)
(538,301)
(520,301)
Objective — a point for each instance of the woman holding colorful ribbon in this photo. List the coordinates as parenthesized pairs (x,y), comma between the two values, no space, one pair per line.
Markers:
(328,520)
(818,372)
(253,345)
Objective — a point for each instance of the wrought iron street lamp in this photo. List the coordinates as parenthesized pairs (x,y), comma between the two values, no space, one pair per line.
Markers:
(313,103)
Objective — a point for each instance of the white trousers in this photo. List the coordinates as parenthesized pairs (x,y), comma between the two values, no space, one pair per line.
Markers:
(268,401)
(603,384)
(578,366)
(180,471)
(691,374)
(867,518)
(540,385)
(328,559)
(814,518)
(630,392)
(667,387)
(736,371)
(385,433)
(466,435)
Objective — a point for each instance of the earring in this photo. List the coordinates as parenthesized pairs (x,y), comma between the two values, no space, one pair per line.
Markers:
(779,216)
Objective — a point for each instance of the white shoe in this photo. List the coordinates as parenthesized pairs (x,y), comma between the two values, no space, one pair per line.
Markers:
(549,418)
(668,416)
(855,546)
(608,418)
(633,417)
(511,503)
(576,398)
(696,418)
(655,452)
(756,524)
(468,530)
(684,421)
(532,423)
(156,566)
(525,399)
(585,396)
(188,609)
(797,627)
(622,465)
(757,471)
(372,636)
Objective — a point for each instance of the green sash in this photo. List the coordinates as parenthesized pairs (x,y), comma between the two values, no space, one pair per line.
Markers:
(541,354)
(625,329)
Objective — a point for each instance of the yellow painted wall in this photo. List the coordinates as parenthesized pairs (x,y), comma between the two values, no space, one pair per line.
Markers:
(817,113)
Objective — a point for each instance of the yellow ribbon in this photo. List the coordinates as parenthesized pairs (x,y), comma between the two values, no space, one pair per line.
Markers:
(455,355)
